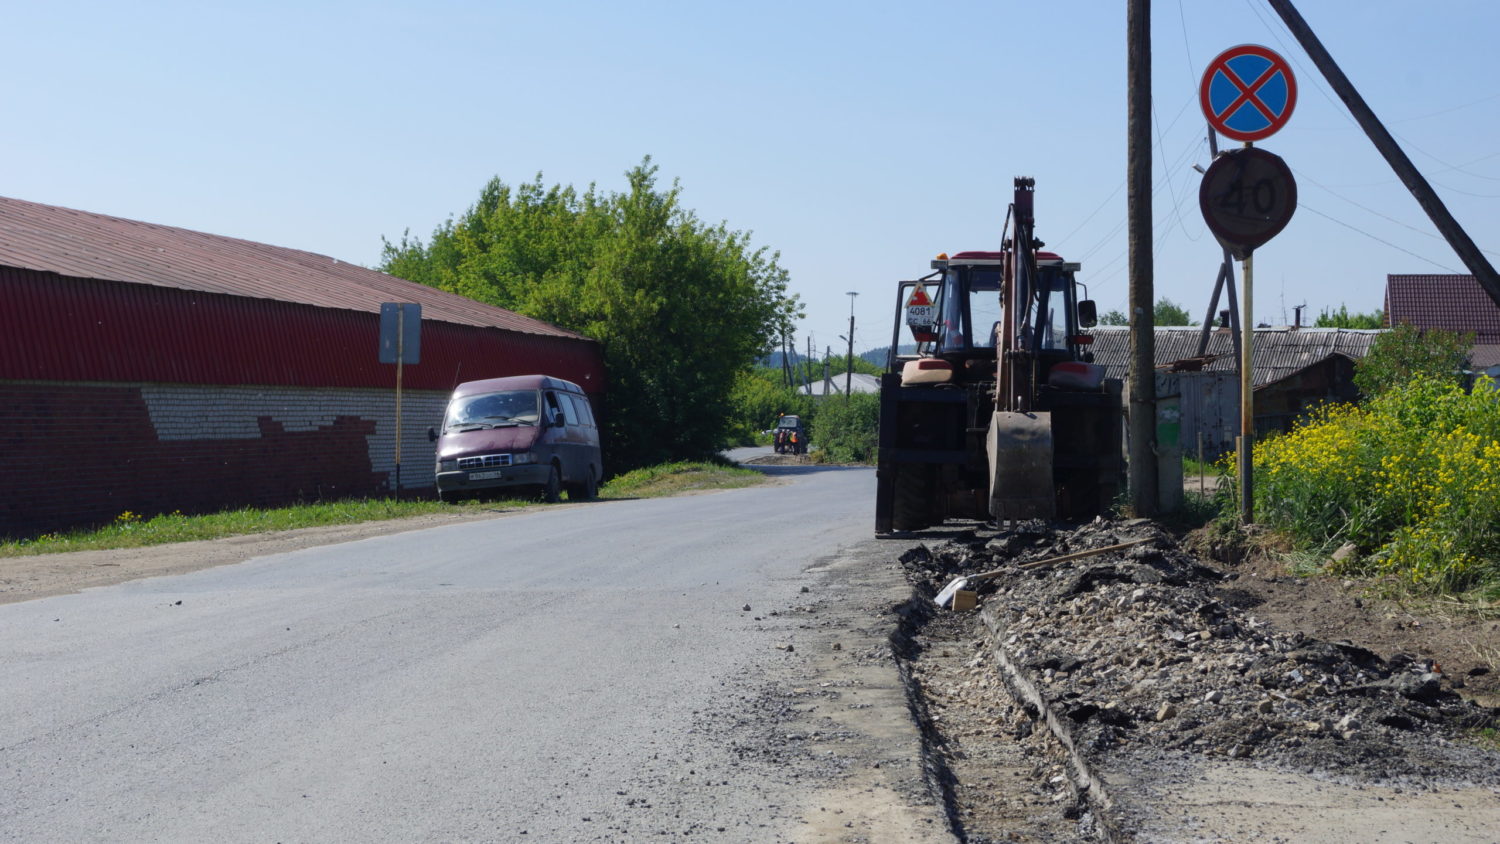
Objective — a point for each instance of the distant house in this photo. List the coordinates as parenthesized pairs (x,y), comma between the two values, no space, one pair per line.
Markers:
(834,386)
(1448,302)
(1294,370)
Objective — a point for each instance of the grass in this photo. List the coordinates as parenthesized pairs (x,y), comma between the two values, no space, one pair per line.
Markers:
(674,478)
(1191,468)
(1487,738)
(132,530)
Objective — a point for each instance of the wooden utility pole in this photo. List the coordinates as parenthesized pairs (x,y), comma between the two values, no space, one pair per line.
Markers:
(1143,492)
(849,364)
(1426,196)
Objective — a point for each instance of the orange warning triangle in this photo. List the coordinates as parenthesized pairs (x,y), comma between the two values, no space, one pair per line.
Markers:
(918,297)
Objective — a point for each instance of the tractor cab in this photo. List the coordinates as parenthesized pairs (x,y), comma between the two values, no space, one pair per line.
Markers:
(956,316)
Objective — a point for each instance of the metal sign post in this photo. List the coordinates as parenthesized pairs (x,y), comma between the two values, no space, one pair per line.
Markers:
(400,343)
(1247,197)
(1245,444)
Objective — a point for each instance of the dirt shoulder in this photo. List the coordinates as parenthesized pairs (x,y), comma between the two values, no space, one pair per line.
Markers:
(1465,646)
(1201,702)
(44,575)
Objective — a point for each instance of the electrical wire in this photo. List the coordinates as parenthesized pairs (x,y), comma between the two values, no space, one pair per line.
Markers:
(1301,71)
(1460,169)
(1378,239)
(1172,185)
(1446,110)
(1121,186)
(1392,181)
(1303,176)
(1187,47)
(1110,235)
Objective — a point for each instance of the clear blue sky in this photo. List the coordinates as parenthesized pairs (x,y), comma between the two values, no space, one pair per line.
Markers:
(858,139)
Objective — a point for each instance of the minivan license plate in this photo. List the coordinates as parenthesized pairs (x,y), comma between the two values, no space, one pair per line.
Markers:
(484,476)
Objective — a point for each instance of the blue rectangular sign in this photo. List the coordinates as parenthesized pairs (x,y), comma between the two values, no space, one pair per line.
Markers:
(400,328)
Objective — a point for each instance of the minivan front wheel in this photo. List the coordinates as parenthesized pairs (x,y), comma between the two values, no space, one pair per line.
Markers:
(552,492)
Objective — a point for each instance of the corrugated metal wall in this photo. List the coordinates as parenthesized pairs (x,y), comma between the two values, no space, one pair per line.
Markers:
(283,402)
(55,328)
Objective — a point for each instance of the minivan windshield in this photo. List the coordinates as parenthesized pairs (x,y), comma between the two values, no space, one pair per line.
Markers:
(492,410)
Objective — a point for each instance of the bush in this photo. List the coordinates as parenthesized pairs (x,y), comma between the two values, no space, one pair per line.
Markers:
(1406,353)
(758,400)
(844,430)
(1412,478)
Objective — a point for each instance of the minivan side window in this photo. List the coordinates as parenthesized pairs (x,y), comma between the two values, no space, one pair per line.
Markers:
(580,407)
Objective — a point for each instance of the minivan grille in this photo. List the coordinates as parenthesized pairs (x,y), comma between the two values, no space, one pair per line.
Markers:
(486,462)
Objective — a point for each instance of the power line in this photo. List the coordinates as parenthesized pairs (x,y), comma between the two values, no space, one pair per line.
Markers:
(1315,182)
(1446,110)
(1166,177)
(1171,184)
(1460,169)
(1378,239)
(1301,71)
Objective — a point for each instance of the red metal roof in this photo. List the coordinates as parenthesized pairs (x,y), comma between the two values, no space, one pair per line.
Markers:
(1449,302)
(96,246)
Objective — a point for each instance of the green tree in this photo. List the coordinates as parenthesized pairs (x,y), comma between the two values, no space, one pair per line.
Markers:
(845,431)
(1407,353)
(1341,318)
(758,398)
(682,308)
(839,364)
(1168,312)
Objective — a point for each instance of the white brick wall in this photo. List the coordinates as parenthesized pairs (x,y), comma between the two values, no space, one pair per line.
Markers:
(205,412)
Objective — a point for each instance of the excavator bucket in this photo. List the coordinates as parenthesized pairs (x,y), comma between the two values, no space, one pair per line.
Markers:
(1020,451)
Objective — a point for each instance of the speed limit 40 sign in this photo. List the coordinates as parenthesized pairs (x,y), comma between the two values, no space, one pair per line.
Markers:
(1247,196)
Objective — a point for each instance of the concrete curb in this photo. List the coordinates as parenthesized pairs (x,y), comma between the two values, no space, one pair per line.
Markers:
(1089,789)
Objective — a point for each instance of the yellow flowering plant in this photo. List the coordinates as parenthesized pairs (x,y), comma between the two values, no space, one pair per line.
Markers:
(1412,478)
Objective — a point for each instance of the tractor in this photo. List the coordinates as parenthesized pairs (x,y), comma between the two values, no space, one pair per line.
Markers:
(999,413)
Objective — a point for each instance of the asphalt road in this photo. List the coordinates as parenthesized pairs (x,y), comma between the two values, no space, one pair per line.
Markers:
(547,673)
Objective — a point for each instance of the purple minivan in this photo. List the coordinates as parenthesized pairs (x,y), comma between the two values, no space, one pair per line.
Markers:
(533,434)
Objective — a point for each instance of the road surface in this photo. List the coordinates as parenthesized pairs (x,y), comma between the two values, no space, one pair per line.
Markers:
(576,673)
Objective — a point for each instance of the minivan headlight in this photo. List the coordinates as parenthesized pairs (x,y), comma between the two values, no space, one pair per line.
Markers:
(522,457)
(447,465)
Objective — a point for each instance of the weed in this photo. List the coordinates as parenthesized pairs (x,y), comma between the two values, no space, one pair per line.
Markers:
(672,478)
(1487,737)
(1413,476)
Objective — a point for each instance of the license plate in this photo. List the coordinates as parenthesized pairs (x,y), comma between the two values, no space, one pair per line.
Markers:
(919,315)
(484,476)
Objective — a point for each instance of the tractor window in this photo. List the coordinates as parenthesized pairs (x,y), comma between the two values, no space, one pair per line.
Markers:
(1054,316)
(984,308)
(969,321)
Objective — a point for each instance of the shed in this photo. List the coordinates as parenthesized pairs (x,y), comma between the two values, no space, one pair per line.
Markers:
(1295,369)
(150,368)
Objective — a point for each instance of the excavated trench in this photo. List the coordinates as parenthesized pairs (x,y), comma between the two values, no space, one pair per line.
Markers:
(1100,698)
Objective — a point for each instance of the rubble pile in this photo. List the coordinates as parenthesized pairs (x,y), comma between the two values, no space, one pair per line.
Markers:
(1149,648)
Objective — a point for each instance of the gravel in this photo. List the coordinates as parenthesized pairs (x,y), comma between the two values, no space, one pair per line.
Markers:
(1145,649)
